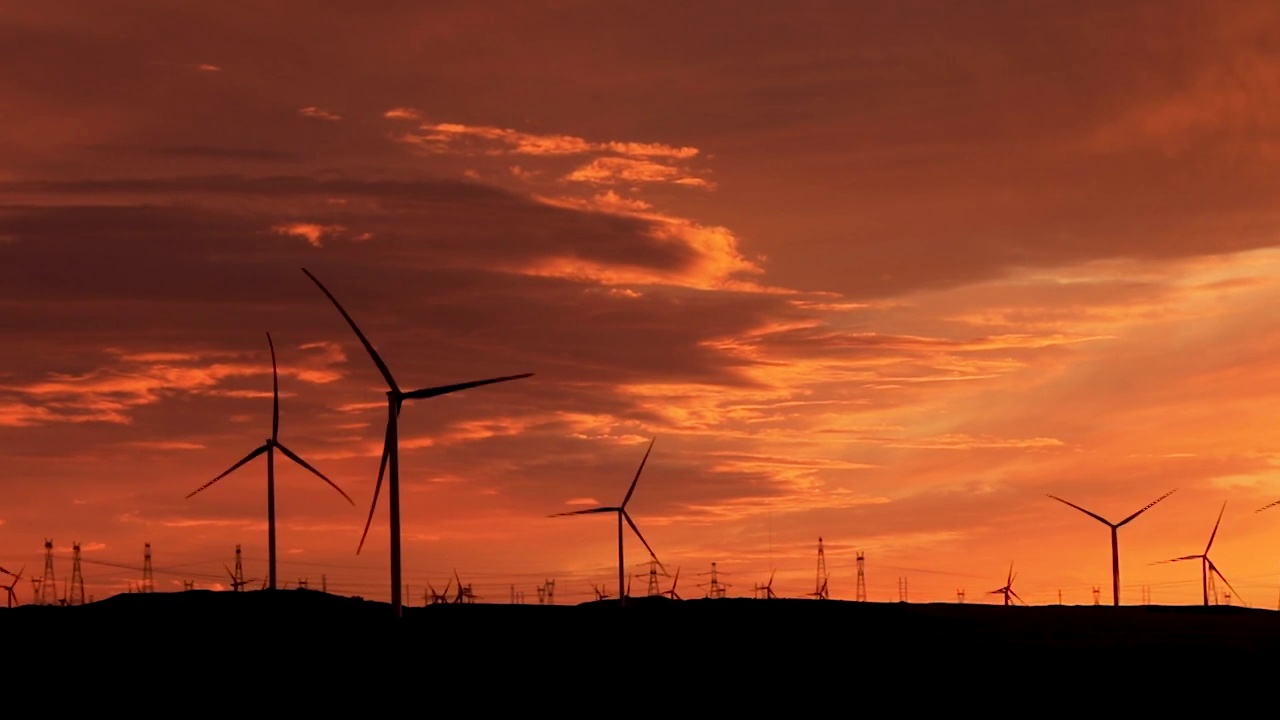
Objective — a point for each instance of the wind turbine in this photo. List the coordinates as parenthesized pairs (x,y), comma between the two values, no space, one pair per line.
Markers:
(1206,565)
(269,447)
(13,596)
(621,510)
(602,593)
(391,445)
(767,589)
(236,583)
(1115,546)
(672,592)
(1007,590)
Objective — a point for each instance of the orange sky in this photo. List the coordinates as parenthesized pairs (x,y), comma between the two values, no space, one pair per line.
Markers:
(884,273)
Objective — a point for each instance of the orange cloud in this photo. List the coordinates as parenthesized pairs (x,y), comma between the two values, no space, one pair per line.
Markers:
(319,113)
(311,232)
(614,170)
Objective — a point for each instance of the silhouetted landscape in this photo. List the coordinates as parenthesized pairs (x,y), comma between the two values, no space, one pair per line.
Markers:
(1032,631)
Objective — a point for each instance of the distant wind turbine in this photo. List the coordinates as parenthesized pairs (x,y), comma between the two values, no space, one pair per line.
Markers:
(1115,543)
(766,590)
(1007,590)
(391,445)
(269,447)
(13,597)
(672,592)
(621,510)
(1206,565)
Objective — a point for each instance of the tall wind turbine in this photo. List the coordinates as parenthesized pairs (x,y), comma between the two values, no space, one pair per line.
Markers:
(1115,543)
(391,445)
(621,510)
(269,447)
(1206,565)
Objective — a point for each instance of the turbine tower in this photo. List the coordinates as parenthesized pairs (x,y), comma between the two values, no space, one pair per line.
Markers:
(269,447)
(1207,568)
(621,511)
(1115,546)
(391,444)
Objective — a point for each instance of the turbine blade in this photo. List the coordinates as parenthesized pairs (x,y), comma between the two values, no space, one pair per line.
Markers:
(377,487)
(377,360)
(231,469)
(770,578)
(1179,559)
(290,454)
(1218,572)
(1268,505)
(275,392)
(592,511)
(446,389)
(1215,527)
(632,489)
(1009,580)
(636,530)
(1147,507)
(676,581)
(1011,592)
(1093,515)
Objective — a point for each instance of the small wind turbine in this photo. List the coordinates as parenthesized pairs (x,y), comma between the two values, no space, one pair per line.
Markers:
(621,510)
(440,598)
(1115,546)
(1007,590)
(602,592)
(1206,565)
(672,592)
(767,589)
(236,583)
(269,447)
(13,596)
(391,445)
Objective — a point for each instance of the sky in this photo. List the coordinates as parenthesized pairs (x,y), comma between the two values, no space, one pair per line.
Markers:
(884,274)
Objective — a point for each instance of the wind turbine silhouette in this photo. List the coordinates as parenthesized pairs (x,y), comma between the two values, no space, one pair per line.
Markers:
(672,592)
(1115,544)
(236,583)
(621,510)
(391,446)
(269,447)
(13,596)
(1206,565)
(767,588)
(1007,590)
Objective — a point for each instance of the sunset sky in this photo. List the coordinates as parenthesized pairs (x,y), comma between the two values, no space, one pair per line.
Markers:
(884,273)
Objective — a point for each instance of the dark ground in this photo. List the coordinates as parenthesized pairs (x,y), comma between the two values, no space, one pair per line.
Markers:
(749,646)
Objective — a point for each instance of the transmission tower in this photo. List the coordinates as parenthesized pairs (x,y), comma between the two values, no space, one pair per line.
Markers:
(238,575)
(148,581)
(48,585)
(188,585)
(547,593)
(75,595)
(902,589)
(654,588)
(820,590)
(1096,594)
(1059,596)
(862,579)
(715,588)
(324,583)
(960,595)
(1146,595)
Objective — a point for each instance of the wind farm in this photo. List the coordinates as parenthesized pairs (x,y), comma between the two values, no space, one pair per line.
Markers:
(883,277)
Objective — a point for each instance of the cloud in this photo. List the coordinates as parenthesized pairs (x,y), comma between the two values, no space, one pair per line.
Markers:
(312,111)
(615,170)
(311,232)
(208,67)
